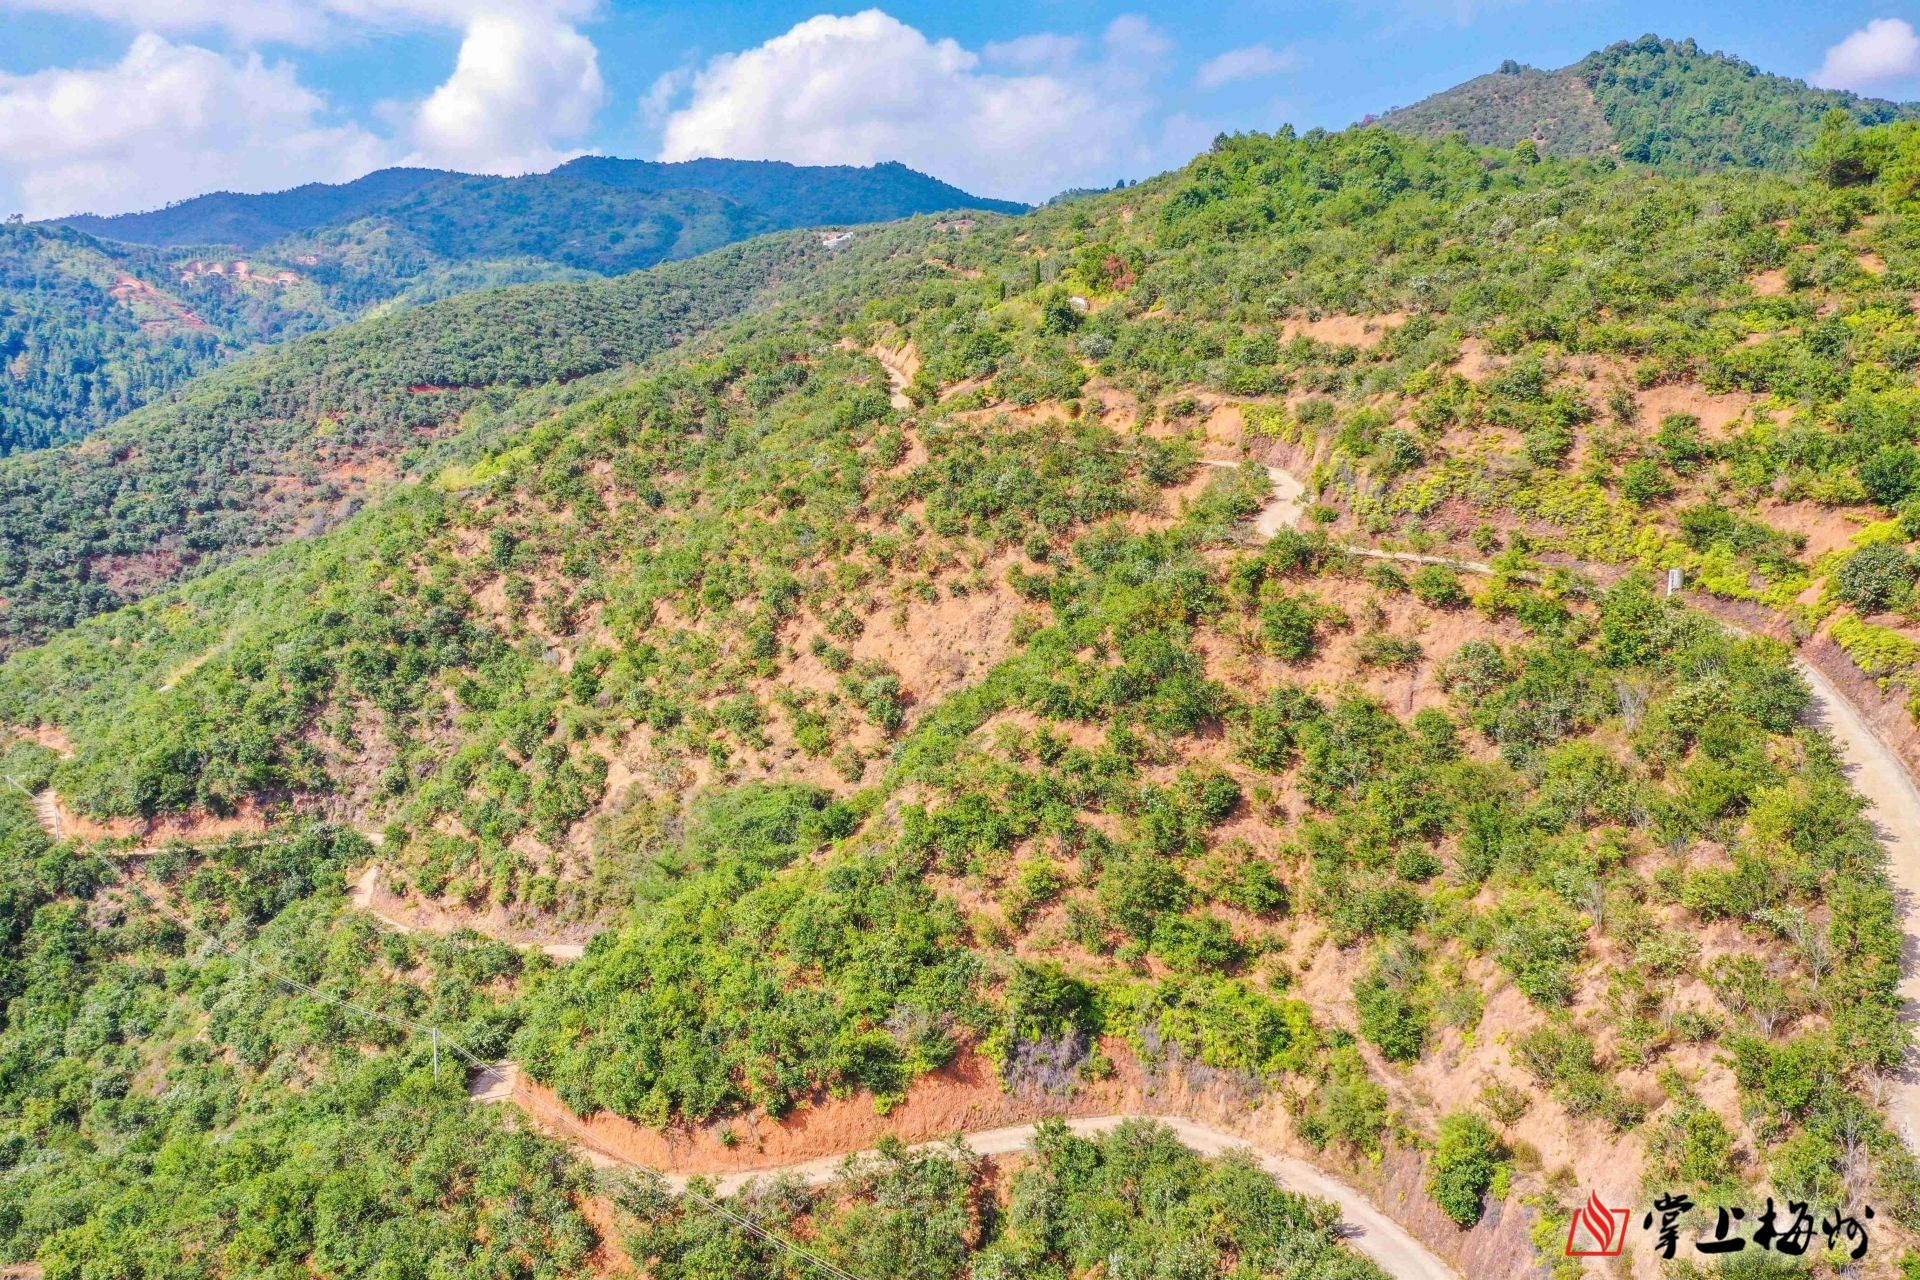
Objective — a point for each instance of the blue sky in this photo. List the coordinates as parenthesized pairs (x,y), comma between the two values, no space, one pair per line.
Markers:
(116,104)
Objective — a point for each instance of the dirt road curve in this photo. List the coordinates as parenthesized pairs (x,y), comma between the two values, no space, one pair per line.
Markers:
(1369,1230)
(1283,510)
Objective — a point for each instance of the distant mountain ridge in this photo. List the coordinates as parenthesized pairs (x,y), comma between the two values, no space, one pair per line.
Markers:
(1653,101)
(790,195)
(99,315)
(247,221)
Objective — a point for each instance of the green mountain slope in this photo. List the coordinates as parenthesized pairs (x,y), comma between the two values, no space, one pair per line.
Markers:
(891,750)
(87,333)
(793,195)
(100,315)
(249,221)
(287,441)
(1653,101)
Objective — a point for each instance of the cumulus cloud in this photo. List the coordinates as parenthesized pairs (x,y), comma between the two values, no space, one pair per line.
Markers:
(525,86)
(1251,63)
(1885,49)
(868,87)
(521,85)
(165,122)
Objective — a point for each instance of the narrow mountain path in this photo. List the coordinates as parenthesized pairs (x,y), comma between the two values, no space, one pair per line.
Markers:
(1284,509)
(901,366)
(364,894)
(46,808)
(1894,808)
(1366,1227)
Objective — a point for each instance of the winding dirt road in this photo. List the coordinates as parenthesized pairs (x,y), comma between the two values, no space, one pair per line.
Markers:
(1895,810)
(1365,1227)
(1876,772)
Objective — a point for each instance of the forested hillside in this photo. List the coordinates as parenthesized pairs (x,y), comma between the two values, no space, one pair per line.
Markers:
(904,681)
(792,195)
(85,336)
(101,315)
(247,221)
(1651,101)
(287,442)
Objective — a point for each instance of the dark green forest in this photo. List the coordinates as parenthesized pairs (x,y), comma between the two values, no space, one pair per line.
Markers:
(276,446)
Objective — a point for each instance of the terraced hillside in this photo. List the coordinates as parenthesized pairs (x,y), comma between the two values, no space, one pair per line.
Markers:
(885,684)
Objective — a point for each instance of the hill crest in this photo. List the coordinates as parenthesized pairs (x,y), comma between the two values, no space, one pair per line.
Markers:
(251,221)
(1667,103)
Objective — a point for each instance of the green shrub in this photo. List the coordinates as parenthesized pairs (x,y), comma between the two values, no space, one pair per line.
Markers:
(1539,943)
(1393,1021)
(1464,1160)
(1875,578)
(1644,482)
(1437,586)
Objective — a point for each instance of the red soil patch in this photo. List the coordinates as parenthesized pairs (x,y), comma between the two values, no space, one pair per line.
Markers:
(192,827)
(52,737)
(1716,412)
(964,1095)
(129,289)
(1345,331)
(608,1258)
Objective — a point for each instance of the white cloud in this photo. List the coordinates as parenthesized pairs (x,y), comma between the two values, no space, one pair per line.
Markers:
(1884,49)
(1043,49)
(1132,38)
(521,86)
(165,122)
(1251,63)
(658,103)
(525,86)
(248,20)
(868,88)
